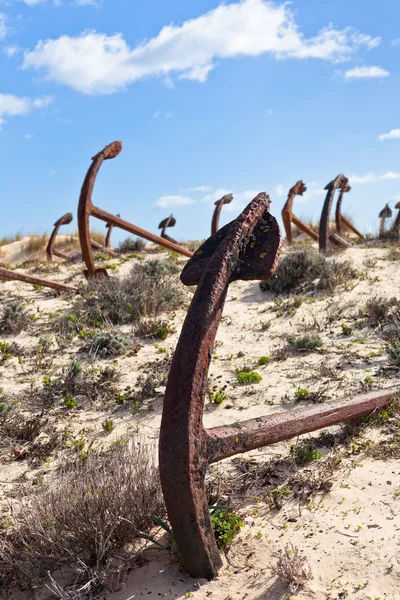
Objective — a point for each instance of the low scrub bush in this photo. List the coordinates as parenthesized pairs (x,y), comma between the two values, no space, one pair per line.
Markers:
(130,245)
(14,318)
(304,342)
(293,568)
(90,514)
(302,270)
(248,377)
(150,288)
(106,343)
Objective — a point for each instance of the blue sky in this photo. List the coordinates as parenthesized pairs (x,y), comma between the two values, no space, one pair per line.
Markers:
(207,98)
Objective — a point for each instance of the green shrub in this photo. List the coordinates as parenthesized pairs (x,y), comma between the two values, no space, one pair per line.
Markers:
(277,496)
(264,360)
(346,330)
(302,394)
(106,344)
(226,525)
(247,378)
(305,342)
(303,454)
(14,318)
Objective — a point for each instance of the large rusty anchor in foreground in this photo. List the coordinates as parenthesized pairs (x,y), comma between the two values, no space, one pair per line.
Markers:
(169,222)
(288,217)
(8,275)
(341,182)
(227,199)
(341,219)
(247,248)
(86,209)
(51,251)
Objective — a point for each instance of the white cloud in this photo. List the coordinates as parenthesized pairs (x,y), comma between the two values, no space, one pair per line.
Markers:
(168,201)
(372,177)
(240,199)
(96,3)
(366,73)
(28,136)
(11,106)
(280,191)
(11,51)
(394,134)
(200,188)
(3,26)
(96,63)
(396,42)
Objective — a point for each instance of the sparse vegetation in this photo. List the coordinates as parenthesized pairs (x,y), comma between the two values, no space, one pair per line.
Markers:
(131,245)
(303,270)
(217,396)
(106,343)
(304,342)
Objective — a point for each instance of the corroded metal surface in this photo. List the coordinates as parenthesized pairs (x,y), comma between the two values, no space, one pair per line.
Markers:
(288,217)
(341,219)
(64,220)
(227,199)
(186,447)
(396,225)
(55,285)
(324,232)
(86,209)
(169,222)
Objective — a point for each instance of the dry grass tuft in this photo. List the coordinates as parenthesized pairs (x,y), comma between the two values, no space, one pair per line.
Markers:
(84,522)
(293,568)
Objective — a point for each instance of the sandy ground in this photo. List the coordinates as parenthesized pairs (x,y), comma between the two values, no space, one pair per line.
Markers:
(351,535)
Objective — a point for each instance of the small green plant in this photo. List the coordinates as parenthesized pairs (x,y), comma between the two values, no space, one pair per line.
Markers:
(70,402)
(302,394)
(226,526)
(108,425)
(14,318)
(393,351)
(346,330)
(264,360)
(277,496)
(247,378)
(303,454)
(217,396)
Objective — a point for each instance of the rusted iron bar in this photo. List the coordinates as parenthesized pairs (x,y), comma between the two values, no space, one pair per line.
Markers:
(247,248)
(341,219)
(288,217)
(255,433)
(86,209)
(227,199)
(50,251)
(169,222)
(324,232)
(386,213)
(109,228)
(12,276)
(102,248)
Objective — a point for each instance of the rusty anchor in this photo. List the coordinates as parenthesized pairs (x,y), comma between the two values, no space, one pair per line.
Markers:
(8,275)
(227,199)
(341,182)
(51,251)
(245,249)
(86,209)
(288,217)
(386,213)
(341,219)
(169,222)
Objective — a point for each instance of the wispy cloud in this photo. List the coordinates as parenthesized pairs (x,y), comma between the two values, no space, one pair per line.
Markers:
(280,191)
(11,51)
(96,63)
(11,106)
(366,73)
(95,3)
(3,26)
(396,42)
(200,188)
(240,199)
(168,201)
(371,177)
(393,134)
